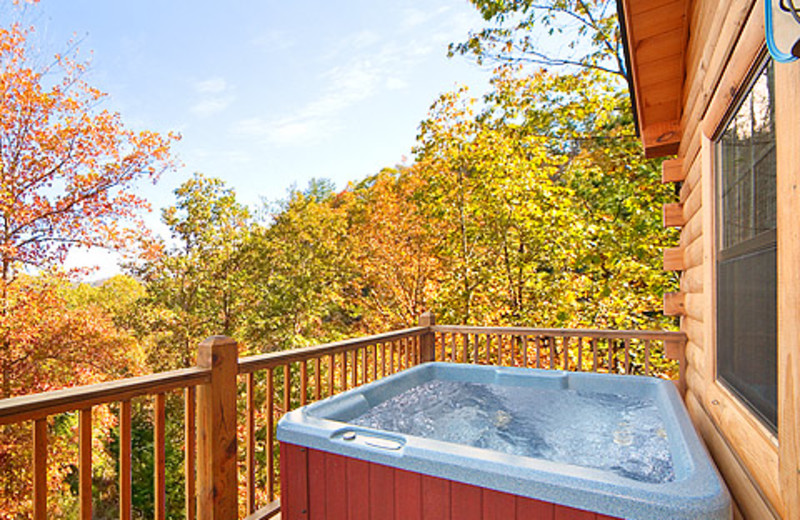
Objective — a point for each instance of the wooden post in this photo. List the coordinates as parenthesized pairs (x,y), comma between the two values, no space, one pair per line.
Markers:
(676,350)
(40,469)
(427,341)
(217,491)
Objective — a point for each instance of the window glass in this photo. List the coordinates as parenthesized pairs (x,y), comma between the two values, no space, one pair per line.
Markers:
(746,253)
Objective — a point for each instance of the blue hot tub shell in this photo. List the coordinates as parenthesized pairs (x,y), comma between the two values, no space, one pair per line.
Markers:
(697,491)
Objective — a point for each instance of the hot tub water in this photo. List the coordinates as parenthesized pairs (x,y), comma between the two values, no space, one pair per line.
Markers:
(613,432)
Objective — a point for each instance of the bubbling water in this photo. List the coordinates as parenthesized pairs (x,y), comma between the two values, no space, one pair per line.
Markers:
(613,432)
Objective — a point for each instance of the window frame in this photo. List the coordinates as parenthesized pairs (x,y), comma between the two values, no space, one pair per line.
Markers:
(756,244)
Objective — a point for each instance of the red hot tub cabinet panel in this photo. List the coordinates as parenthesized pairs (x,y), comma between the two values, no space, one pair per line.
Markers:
(316,485)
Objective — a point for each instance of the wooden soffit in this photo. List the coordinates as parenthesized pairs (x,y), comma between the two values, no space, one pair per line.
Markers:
(655,34)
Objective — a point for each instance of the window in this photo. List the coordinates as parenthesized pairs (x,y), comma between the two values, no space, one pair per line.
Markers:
(746,249)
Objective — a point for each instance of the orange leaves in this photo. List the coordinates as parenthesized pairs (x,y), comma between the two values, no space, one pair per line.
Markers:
(66,168)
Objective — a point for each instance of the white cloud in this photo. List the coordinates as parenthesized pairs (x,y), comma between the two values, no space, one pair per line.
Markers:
(412,18)
(214,97)
(373,64)
(284,132)
(211,86)
(273,41)
(345,86)
(210,106)
(396,84)
(363,39)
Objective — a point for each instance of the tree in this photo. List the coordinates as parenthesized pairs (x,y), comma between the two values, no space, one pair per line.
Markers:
(195,288)
(587,31)
(300,272)
(545,208)
(66,169)
(67,172)
(587,121)
(389,239)
(505,223)
(56,338)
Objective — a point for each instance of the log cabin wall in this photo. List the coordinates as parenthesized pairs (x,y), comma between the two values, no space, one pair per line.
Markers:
(723,41)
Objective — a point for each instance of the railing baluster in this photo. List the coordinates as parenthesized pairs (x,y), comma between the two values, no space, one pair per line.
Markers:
(453,347)
(303,382)
(159,459)
(407,349)
(538,352)
(464,347)
(475,349)
(647,357)
(499,349)
(343,373)
(40,469)
(250,455)
(375,362)
(565,341)
(516,356)
(331,373)
(317,380)
(610,343)
(354,368)
(524,351)
(594,354)
(270,406)
(488,349)
(580,354)
(364,365)
(125,447)
(85,464)
(401,355)
(189,455)
(627,356)
(287,388)
(551,342)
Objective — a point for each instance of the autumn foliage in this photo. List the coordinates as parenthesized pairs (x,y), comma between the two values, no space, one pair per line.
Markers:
(66,167)
(67,172)
(532,206)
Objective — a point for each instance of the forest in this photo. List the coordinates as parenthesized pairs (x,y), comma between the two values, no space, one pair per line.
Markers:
(532,205)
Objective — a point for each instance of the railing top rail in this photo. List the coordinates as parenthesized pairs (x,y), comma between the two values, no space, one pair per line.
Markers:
(36,406)
(663,335)
(275,359)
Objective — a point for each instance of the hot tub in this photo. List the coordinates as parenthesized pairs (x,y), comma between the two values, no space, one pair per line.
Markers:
(447,441)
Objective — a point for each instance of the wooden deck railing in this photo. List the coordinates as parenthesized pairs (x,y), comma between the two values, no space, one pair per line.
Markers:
(228,399)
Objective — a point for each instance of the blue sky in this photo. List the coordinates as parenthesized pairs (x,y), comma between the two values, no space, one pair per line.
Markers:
(269,94)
